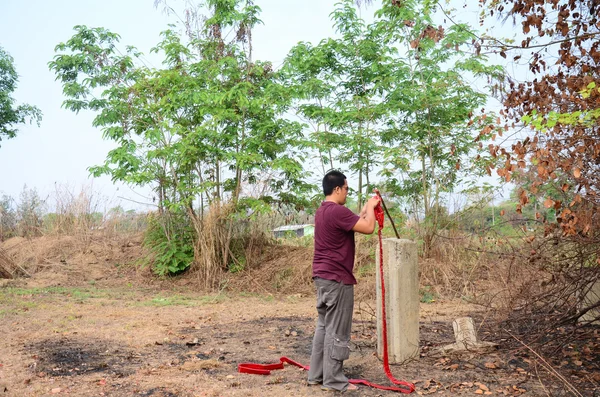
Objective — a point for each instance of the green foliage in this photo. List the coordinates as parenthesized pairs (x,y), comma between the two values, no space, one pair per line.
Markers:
(365,270)
(169,239)
(291,239)
(209,110)
(435,124)
(199,130)
(506,219)
(11,115)
(341,85)
(121,221)
(427,295)
(396,95)
(435,120)
(211,125)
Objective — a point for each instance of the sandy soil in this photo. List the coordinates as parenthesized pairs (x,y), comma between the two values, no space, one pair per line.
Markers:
(98,328)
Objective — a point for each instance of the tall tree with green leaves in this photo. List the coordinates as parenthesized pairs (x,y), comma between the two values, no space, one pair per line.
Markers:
(11,114)
(392,98)
(197,130)
(437,115)
(341,85)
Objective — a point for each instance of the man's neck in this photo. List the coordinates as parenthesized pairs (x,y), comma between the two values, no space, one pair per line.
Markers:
(333,199)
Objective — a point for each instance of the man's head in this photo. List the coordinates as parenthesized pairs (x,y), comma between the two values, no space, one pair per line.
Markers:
(335,186)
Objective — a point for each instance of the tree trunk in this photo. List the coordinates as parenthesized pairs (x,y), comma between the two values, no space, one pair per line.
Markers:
(425,195)
(360,194)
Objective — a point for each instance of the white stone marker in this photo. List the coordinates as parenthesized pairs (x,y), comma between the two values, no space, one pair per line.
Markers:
(466,338)
(401,278)
(464,332)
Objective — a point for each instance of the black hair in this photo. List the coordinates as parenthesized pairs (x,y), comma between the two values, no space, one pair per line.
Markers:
(331,180)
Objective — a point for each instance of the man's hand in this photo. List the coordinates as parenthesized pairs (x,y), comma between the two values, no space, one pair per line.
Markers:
(366,223)
(373,202)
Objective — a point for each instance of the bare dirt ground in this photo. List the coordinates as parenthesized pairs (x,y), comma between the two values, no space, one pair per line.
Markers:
(88,325)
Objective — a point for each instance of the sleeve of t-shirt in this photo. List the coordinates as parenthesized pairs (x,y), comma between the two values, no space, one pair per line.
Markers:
(345,219)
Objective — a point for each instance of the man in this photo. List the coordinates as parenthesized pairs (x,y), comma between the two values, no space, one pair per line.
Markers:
(334,282)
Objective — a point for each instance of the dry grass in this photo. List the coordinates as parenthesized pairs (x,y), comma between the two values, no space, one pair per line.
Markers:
(8,269)
(38,254)
(211,245)
(284,270)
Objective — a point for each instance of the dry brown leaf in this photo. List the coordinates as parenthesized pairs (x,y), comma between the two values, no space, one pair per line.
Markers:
(490,365)
(482,386)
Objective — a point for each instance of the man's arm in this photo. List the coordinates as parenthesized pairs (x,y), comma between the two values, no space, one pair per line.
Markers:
(366,223)
(363,212)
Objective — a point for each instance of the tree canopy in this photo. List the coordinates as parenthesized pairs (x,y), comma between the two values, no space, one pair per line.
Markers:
(11,114)
(561,104)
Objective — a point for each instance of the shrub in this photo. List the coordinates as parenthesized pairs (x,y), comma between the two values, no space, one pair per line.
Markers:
(169,240)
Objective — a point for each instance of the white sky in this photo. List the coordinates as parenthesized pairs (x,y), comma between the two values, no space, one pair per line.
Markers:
(65,145)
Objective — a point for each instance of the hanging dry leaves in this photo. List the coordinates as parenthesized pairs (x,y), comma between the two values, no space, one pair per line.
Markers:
(563,93)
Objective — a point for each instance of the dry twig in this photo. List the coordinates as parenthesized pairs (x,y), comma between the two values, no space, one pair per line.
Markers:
(548,367)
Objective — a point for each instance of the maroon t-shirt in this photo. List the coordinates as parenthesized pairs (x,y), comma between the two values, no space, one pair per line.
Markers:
(334,243)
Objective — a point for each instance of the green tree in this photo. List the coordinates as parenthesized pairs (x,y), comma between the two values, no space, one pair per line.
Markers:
(435,121)
(394,96)
(341,85)
(11,114)
(199,129)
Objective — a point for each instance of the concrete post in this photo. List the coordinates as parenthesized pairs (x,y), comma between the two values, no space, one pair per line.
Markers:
(401,302)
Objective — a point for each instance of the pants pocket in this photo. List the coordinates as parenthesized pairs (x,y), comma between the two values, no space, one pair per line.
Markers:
(341,349)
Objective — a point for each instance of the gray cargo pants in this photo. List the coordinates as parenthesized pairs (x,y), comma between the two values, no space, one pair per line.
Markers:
(331,343)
